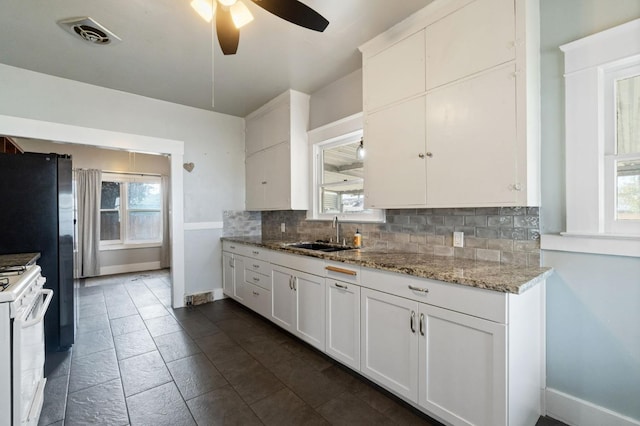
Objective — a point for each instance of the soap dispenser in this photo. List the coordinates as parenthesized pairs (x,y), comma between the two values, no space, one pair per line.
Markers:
(357,239)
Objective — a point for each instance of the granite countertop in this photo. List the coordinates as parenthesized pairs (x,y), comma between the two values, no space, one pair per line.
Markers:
(18,259)
(473,273)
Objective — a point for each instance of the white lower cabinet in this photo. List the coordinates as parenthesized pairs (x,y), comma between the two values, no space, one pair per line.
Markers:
(463,355)
(342,326)
(452,364)
(297,304)
(389,343)
(462,367)
(258,299)
(238,280)
(228,274)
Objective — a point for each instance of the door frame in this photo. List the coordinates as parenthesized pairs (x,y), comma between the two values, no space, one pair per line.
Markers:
(36,129)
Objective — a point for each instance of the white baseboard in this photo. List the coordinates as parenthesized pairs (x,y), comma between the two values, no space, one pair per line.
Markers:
(218,294)
(577,412)
(132,267)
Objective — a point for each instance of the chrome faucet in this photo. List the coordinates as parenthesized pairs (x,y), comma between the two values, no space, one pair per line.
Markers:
(336,224)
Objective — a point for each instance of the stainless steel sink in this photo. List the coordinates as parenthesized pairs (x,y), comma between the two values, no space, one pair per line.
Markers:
(320,247)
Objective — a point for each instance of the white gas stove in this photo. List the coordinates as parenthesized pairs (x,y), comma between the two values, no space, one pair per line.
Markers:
(23,303)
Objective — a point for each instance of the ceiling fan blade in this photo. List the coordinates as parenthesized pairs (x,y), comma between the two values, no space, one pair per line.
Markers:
(295,12)
(228,34)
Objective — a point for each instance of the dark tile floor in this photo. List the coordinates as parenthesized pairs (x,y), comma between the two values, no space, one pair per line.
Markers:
(137,361)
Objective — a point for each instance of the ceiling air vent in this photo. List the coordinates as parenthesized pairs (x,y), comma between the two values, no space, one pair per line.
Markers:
(89,30)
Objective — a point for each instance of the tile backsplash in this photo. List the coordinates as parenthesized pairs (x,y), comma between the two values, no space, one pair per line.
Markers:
(500,234)
(241,224)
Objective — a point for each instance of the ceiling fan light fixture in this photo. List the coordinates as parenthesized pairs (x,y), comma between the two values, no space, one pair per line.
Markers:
(227,3)
(240,14)
(205,8)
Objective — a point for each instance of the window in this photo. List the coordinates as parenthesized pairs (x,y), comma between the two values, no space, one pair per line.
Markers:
(339,180)
(602,122)
(130,211)
(622,153)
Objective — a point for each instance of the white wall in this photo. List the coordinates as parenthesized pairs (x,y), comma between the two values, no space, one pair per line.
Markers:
(339,99)
(213,141)
(593,301)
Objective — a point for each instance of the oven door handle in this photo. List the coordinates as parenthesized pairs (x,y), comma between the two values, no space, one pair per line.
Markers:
(43,310)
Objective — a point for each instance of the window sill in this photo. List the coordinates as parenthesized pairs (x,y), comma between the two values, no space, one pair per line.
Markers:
(614,245)
(129,246)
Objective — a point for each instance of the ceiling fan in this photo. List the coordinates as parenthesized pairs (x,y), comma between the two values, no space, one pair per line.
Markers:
(231,15)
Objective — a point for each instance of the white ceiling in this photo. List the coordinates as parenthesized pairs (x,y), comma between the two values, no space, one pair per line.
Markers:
(166,48)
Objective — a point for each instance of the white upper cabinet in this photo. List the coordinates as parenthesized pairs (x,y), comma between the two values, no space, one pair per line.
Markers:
(472,141)
(395,174)
(277,166)
(395,73)
(471,136)
(268,129)
(474,38)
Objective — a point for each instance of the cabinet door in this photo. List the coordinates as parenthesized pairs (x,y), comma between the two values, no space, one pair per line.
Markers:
(255,181)
(396,73)
(389,342)
(310,312)
(343,322)
(276,125)
(277,175)
(475,38)
(471,134)
(394,166)
(463,372)
(238,279)
(253,135)
(283,299)
(228,274)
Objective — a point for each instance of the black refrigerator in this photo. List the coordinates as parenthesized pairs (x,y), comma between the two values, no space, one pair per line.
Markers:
(36,215)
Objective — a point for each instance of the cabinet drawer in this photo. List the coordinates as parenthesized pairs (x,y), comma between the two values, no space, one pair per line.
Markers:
(258,266)
(491,305)
(258,299)
(255,252)
(252,277)
(306,264)
(232,247)
(342,272)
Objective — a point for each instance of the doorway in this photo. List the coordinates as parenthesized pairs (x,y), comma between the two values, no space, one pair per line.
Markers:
(64,133)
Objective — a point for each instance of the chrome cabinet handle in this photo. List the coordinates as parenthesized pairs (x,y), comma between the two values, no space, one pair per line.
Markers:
(421,290)
(256,279)
(421,155)
(231,263)
(256,266)
(344,287)
(422,324)
(256,252)
(255,293)
(232,247)
(429,154)
(264,182)
(291,282)
(295,283)
(413,320)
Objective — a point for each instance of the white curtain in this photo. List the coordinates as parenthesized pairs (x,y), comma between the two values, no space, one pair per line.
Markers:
(89,189)
(165,250)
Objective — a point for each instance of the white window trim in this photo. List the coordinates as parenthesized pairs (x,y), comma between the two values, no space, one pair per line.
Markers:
(333,134)
(587,62)
(121,244)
